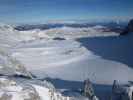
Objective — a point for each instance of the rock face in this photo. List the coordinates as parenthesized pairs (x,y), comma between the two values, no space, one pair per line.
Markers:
(129,28)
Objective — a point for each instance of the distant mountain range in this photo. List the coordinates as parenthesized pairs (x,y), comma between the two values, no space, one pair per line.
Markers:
(112,26)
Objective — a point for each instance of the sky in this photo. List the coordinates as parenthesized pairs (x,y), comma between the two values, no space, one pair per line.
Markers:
(39,11)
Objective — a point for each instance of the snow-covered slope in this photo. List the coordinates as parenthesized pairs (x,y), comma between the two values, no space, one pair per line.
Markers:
(14,89)
(11,67)
(68,59)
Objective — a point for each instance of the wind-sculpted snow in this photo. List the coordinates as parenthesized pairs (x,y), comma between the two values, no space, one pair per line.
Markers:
(48,54)
(69,60)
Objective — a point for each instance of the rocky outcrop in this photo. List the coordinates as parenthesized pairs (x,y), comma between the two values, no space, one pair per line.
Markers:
(129,28)
(122,92)
(13,89)
(88,90)
(10,90)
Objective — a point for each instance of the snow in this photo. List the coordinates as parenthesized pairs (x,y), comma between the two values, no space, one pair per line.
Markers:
(61,59)
(68,32)
(12,89)
(84,53)
(18,91)
(51,53)
(41,92)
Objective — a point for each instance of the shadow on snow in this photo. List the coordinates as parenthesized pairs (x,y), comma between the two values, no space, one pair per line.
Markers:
(72,87)
(116,48)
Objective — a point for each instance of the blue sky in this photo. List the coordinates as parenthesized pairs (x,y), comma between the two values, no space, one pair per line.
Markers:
(39,11)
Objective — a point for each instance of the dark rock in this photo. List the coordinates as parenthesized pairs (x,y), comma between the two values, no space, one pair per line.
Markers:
(115,87)
(88,89)
(58,38)
(129,28)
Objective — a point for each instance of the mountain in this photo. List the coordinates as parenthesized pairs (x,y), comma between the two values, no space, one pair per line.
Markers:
(128,29)
(65,56)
